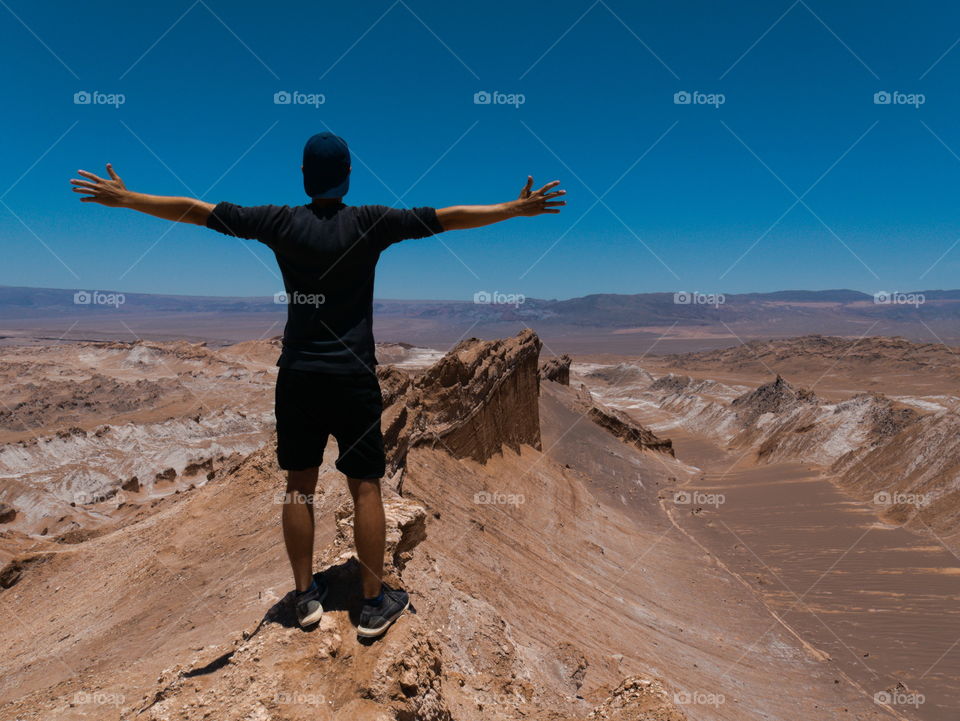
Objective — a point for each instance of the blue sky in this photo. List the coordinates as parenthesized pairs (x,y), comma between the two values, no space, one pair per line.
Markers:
(797,180)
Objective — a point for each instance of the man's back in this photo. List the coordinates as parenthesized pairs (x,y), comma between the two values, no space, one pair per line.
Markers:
(328,256)
(326,386)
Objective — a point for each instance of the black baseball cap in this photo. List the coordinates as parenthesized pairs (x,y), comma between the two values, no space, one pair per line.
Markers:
(326,166)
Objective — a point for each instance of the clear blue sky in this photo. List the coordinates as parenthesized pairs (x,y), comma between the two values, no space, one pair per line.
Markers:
(700,187)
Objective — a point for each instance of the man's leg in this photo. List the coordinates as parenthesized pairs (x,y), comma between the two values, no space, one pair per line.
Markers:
(363,461)
(298,524)
(369,532)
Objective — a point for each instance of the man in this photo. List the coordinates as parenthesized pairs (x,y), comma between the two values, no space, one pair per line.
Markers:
(327,252)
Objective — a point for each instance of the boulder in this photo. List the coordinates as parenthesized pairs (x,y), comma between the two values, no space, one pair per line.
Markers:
(556,369)
(7,513)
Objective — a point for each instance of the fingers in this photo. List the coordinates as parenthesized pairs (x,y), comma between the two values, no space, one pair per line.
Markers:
(91,191)
(82,183)
(91,176)
(557,202)
(548,186)
(554,195)
(525,190)
(113,173)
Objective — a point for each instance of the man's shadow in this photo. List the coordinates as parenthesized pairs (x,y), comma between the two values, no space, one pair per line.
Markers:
(344,593)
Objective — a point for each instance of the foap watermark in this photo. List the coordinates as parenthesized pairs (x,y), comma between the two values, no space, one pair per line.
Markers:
(483,297)
(98,297)
(895,97)
(491,699)
(896,498)
(683,297)
(483,97)
(686,97)
(95,97)
(698,698)
(298,298)
(496,498)
(885,297)
(295,97)
(895,697)
(300,699)
(93,497)
(98,698)
(294,497)
(698,498)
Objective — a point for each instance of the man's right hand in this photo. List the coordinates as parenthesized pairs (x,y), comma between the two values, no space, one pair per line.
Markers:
(530,202)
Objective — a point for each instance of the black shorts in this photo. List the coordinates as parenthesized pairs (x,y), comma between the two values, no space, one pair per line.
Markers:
(310,406)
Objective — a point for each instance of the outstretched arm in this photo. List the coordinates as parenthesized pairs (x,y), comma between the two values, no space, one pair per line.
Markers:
(460,217)
(114,194)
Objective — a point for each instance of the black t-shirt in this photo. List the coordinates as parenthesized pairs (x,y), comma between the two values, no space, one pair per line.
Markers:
(328,256)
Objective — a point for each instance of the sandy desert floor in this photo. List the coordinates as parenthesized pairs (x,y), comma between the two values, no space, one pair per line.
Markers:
(880,600)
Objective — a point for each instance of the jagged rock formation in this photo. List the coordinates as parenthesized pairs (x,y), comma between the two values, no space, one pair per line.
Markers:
(556,369)
(399,419)
(778,396)
(888,420)
(903,460)
(620,424)
(780,421)
(479,397)
(671,383)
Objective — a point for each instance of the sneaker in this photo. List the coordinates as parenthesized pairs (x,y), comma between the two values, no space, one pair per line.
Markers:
(309,604)
(376,618)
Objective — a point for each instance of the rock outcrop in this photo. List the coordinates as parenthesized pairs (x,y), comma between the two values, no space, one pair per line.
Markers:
(911,473)
(778,396)
(620,424)
(7,513)
(479,397)
(638,698)
(10,573)
(406,528)
(903,460)
(556,369)
(277,671)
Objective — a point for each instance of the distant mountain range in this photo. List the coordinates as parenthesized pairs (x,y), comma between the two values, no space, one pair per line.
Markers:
(605,310)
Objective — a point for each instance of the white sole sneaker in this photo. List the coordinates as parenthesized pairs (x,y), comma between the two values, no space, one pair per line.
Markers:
(367,632)
(315,615)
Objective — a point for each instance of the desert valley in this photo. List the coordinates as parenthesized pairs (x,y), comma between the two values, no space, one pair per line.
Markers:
(763,529)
